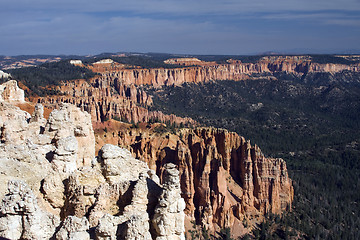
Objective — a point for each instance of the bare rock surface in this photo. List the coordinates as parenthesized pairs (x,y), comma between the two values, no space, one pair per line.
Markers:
(10,92)
(58,188)
(224,180)
(169,213)
(74,228)
(21,216)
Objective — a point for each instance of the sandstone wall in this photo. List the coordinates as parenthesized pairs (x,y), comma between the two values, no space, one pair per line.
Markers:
(233,71)
(115,93)
(108,98)
(224,180)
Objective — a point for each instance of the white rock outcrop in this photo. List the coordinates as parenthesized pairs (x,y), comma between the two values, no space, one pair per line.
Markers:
(22,218)
(73,228)
(104,61)
(10,92)
(169,213)
(58,189)
(76,62)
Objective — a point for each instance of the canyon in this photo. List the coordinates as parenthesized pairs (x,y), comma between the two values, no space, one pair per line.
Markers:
(222,180)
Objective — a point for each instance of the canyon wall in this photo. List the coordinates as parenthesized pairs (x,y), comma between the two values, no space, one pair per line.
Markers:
(225,181)
(234,70)
(106,99)
(10,92)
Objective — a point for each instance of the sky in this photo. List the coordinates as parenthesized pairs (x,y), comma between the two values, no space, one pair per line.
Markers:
(233,27)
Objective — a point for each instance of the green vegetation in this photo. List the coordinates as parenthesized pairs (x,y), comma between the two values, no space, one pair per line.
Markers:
(168,127)
(326,58)
(203,233)
(313,122)
(39,79)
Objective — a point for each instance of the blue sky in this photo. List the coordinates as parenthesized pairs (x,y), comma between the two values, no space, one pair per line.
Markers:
(190,27)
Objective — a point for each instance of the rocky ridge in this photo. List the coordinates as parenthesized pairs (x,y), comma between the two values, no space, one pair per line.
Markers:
(57,187)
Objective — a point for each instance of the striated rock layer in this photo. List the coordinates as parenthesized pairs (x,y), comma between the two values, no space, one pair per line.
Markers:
(233,70)
(107,99)
(225,181)
(213,176)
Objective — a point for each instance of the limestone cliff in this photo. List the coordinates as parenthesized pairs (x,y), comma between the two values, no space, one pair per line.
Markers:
(224,180)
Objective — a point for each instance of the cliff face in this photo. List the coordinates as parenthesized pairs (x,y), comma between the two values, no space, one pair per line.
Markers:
(106,98)
(235,70)
(224,180)
(58,189)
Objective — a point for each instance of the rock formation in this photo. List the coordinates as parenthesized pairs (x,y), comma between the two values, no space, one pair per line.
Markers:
(73,228)
(233,70)
(221,179)
(169,215)
(22,218)
(10,92)
(76,62)
(58,188)
(224,180)
(188,62)
(4,74)
(109,99)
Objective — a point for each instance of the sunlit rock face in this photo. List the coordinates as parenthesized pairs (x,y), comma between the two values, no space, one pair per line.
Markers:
(10,92)
(224,180)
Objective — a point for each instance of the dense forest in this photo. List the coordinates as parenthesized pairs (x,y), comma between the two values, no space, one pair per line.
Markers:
(152,60)
(313,122)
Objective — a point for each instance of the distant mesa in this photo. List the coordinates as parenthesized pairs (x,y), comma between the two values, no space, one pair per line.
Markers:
(181,60)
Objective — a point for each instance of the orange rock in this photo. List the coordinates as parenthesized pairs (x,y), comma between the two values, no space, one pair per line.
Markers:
(224,180)
(109,99)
